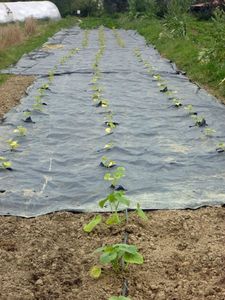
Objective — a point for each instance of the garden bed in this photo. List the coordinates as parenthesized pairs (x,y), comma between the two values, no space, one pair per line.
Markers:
(108,118)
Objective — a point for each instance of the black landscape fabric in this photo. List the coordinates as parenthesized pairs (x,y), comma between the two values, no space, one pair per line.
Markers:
(170,164)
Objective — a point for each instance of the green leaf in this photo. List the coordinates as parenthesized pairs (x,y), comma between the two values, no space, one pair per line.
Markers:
(7,164)
(108,257)
(95,272)
(136,258)
(122,199)
(92,224)
(127,248)
(108,177)
(141,213)
(103,202)
(113,220)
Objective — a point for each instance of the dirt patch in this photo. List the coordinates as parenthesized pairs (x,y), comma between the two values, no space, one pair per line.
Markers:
(49,257)
(12,91)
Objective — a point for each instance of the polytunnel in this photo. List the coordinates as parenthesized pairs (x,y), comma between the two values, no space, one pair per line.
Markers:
(19,11)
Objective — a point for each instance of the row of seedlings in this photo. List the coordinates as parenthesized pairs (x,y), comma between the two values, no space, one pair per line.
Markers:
(118,38)
(199,121)
(120,255)
(38,106)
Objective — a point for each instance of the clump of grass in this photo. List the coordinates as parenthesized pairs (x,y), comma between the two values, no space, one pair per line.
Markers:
(30,26)
(11,35)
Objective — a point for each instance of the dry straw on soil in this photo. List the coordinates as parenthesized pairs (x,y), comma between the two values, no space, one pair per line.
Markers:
(13,34)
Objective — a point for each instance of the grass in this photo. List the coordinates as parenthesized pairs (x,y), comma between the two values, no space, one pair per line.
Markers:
(31,37)
(184,52)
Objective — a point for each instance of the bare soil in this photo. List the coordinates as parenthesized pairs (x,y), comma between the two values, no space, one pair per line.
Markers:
(49,257)
(12,91)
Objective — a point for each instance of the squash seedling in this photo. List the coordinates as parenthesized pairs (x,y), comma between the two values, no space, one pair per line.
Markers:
(157,77)
(5,164)
(51,75)
(119,40)
(43,88)
(97,89)
(115,176)
(209,132)
(20,130)
(27,115)
(220,147)
(85,39)
(107,163)
(108,146)
(114,255)
(141,213)
(190,110)
(92,224)
(96,96)
(199,121)
(103,103)
(177,103)
(163,89)
(13,144)
(115,200)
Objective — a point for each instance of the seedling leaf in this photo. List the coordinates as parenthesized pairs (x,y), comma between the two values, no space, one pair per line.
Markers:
(92,224)
(113,220)
(95,272)
(136,258)
(141,213)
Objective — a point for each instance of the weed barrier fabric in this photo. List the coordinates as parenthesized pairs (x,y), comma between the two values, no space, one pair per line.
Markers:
(169,165)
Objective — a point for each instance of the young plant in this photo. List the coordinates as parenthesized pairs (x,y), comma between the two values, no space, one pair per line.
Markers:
(209,131)
(117,255)
(51,75)
(220,147)
(115,200)
(177,103)
(157,77)
(141,213)
(13,144)
(107,163)
(96,96)
(97,89)
(199,121)
(85,39)
(108,146)
(27,115)
(115,176)
(43,88)
(5,164)
(103,103)
(92,224)
(20,130)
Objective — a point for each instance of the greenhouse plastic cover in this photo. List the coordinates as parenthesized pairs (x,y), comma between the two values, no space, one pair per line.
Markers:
(169,163)
(19,11)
